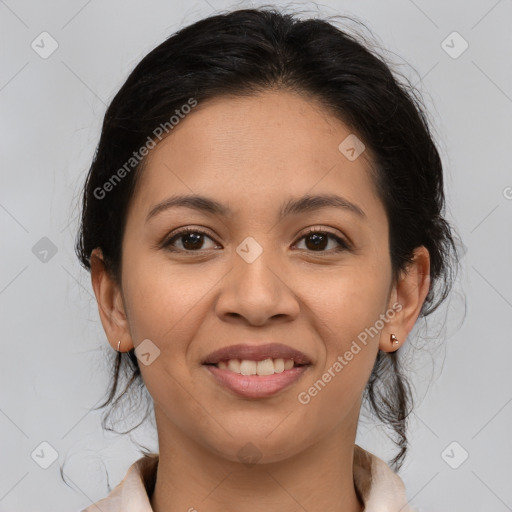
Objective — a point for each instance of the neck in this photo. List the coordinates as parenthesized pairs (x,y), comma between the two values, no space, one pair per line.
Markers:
(320,478)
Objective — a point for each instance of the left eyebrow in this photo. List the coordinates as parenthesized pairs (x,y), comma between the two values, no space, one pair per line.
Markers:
(310,203)
(304,204)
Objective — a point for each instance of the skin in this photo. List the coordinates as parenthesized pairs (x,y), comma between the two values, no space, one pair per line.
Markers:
(191,303)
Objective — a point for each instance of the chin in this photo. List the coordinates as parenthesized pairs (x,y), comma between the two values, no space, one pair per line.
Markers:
(259,448)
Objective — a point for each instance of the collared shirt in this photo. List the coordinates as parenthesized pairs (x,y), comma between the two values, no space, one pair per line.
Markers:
(380,488)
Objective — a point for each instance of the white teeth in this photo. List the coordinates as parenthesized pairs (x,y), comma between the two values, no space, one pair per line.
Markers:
(233,365)
(247,367)
(279,365)
(265,367)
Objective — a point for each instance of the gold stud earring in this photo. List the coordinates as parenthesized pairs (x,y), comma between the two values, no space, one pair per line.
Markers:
(394,340)
(118,345)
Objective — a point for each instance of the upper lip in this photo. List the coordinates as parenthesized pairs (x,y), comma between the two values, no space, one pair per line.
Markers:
(257,353)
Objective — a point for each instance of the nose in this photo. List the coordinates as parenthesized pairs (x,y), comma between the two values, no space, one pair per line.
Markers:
(257,292)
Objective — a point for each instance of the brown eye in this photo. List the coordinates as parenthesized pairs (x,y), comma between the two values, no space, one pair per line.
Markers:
(318,241)
(191,240)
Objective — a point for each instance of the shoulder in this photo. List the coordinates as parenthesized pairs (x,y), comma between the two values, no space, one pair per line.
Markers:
(380,488)
(133,493)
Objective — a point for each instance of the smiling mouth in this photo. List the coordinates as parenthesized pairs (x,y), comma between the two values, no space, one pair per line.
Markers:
(264,367)
(256,379)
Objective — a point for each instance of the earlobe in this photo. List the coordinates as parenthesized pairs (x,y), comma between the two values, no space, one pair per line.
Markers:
(110,304)
(409,292)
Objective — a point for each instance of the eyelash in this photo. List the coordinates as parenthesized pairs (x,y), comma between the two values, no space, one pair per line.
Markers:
(344,246)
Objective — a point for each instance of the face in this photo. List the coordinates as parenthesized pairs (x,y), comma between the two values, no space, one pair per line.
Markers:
(254,277)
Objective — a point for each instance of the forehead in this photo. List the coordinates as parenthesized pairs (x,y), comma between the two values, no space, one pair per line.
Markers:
(253,150)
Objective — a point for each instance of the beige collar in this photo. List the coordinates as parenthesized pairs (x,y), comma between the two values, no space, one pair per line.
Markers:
(380,488)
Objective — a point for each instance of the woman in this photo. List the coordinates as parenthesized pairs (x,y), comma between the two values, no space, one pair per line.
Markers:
(263,223)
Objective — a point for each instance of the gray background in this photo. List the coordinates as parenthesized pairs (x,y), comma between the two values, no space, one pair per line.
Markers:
(54,365)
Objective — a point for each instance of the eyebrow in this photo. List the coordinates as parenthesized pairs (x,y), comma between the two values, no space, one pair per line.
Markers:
(304,204)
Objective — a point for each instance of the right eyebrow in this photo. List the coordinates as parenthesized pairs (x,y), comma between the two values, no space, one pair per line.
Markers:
(291,207)
(195,202)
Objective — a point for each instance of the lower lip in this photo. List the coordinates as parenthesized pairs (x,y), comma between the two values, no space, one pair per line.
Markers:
(256,386)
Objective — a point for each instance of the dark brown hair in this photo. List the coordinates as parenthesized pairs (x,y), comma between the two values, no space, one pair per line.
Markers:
(246,51)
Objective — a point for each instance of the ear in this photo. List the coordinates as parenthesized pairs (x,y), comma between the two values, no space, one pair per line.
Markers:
(409,292)
(110,303)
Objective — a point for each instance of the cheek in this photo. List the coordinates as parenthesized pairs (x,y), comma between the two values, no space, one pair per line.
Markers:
(163,303)
(167,310)
(346,310)
(347,302)
(343,310)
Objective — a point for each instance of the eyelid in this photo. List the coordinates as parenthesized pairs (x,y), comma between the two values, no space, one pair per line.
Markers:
(343,242)
(328,231)
(184,230)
